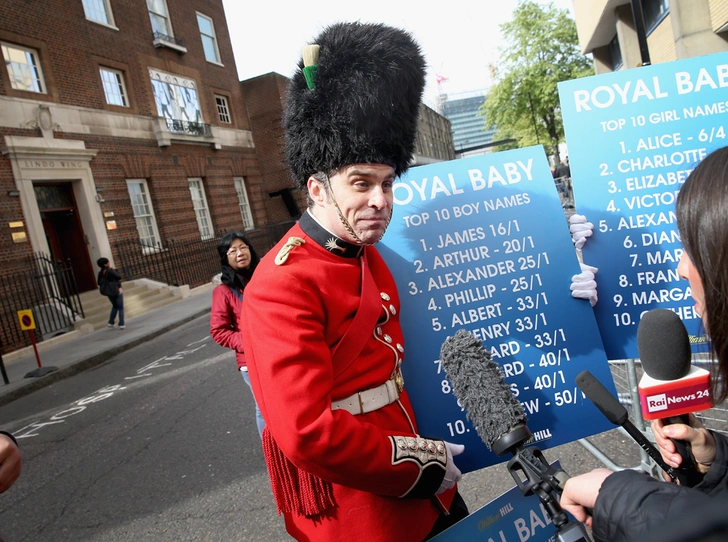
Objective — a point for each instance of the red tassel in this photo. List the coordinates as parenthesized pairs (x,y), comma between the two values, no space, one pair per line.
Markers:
(295,490)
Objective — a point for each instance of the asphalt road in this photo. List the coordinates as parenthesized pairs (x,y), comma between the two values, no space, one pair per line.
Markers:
(160,444)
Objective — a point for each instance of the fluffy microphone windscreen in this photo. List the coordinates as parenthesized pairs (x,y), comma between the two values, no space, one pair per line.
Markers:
(663,345)
(478,382)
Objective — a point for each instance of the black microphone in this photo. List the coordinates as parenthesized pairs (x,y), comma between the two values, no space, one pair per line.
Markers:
(500,421)
(671,387)
(617,414)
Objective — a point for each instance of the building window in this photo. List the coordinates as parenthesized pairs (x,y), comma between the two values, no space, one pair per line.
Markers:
(160,18)
(223,111)
(209,41)
(615,53)
(141,203)
(176,97)
(654,11)
(23,68)
(114,89)
(199,203)
(244,203)
(98,11)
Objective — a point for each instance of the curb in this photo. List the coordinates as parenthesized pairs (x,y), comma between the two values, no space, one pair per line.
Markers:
(91,361)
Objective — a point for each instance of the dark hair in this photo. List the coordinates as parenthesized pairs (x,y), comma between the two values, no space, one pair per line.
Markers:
(702,219)
(101,262)
(224,245)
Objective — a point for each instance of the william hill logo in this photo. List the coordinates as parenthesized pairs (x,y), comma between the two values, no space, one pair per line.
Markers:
(655,403)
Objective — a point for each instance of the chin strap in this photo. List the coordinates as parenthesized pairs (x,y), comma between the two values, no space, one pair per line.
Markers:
(345,223)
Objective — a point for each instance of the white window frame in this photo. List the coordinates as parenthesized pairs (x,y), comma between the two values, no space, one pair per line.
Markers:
(121,84)
(222,115)
(164,15)
(244,203)
(11,74)
(156,244)
(107,10)
(199,204)
(213,37)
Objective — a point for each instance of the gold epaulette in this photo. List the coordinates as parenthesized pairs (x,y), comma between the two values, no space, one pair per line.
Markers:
(287,248)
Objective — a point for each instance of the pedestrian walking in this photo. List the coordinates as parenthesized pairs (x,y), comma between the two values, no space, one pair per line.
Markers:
(238,261)
(109,281)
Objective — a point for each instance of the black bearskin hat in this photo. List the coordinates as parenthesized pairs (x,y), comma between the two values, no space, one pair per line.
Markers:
(364,104)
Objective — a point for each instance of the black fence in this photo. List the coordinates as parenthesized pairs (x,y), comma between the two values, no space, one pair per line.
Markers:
(47,288)
(187,261)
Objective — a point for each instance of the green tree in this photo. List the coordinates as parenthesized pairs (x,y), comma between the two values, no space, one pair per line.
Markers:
(542,49)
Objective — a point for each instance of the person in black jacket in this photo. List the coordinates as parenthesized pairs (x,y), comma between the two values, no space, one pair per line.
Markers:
(109,280)
(629,505)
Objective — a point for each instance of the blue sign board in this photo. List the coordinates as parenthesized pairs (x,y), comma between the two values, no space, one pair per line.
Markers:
(509,517)
(633,137)
(482,244)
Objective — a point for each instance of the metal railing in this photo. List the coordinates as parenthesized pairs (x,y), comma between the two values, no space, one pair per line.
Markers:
(47,288)
(169,39)
(189,128)
(186,261)
(171,261)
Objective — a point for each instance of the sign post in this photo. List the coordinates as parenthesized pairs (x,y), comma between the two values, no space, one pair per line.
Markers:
(27,323)
(2,365)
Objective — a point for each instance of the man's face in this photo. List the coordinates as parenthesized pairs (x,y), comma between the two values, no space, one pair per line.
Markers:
(364,194)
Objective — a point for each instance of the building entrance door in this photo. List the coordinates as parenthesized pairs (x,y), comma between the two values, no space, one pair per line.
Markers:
(64,232)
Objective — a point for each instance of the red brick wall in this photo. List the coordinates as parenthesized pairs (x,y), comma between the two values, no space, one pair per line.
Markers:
(264,98)
(72,47)
(120,159)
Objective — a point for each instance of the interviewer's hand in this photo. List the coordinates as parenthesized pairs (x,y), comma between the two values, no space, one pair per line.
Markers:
(580,493)
(580,229)
(10,462)
(452,472)
(700,439)
(583,285)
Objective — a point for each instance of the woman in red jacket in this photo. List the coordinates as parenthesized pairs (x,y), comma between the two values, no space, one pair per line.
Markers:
(238,260)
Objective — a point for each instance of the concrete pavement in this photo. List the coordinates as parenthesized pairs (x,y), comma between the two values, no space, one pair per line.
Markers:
(85,351)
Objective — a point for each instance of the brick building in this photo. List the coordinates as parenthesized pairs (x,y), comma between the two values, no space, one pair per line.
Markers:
(120,120)
(675,29)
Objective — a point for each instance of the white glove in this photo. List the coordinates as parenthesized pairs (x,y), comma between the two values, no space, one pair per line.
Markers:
(580,229)
(583,285)
(452,473)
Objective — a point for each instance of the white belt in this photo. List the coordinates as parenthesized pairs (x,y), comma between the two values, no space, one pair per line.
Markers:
(369,400)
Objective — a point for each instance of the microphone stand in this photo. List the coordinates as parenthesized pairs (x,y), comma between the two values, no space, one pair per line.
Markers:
(541,479)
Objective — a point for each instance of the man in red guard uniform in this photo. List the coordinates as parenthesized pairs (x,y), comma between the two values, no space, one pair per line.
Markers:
(321,326)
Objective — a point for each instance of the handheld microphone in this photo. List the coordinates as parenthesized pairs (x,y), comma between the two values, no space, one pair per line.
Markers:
(500,421)
(617,414)
(671,387)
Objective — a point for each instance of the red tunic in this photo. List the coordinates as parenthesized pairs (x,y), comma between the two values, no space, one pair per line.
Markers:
(294,314)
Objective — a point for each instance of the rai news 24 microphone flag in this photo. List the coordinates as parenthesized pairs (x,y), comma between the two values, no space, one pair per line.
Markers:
(482,244)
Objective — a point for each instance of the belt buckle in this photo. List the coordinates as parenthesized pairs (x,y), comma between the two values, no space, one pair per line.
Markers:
(399,381)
